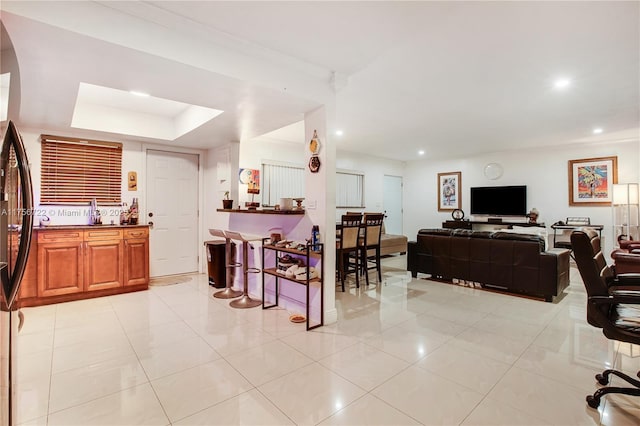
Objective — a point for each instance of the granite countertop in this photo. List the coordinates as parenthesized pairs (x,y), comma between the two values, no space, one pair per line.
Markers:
(54,227)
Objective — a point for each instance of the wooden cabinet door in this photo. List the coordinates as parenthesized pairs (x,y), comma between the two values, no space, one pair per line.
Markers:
(136,266)
(60,268)
(103,264)
(29,284)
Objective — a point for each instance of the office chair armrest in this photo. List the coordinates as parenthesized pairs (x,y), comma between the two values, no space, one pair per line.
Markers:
(625,256)
(629,297)
(623,289)
(630,279)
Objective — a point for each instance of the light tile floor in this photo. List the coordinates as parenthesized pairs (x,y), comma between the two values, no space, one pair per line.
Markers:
(408,351)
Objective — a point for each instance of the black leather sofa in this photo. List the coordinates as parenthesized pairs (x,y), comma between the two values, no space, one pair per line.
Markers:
(516,263)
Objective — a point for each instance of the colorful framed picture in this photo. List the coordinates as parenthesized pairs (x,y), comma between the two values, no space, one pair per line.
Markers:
(591,181)
(251,178)
(449,185)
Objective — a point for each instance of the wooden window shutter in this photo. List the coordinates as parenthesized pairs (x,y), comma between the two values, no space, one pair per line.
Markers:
(74,171)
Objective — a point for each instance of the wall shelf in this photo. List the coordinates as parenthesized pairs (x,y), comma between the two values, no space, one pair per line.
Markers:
(263,211)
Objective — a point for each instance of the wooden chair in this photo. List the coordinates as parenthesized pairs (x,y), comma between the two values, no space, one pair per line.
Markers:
(346,214)
(348,244)
(370,240)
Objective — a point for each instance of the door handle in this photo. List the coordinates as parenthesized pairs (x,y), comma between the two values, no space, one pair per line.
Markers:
(20,320)
(150,223)
(150,214)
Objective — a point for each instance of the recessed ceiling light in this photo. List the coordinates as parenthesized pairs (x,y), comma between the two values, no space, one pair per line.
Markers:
(421,152)
(562,83)
(597,130)
(141,94)
(339,132)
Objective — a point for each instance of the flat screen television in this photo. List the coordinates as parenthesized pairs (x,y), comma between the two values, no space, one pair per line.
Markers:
(499,200)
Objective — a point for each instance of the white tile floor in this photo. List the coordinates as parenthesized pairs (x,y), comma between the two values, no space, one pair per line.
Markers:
(404,352)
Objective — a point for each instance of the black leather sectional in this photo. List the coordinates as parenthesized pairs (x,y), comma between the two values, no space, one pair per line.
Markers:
(512,262)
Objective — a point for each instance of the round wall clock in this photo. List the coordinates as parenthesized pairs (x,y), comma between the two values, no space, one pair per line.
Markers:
(457,214)
(493,171)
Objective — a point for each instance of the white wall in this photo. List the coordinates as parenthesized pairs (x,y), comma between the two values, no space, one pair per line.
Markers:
(374,168)
(254,151)
(132,160)
(543,171)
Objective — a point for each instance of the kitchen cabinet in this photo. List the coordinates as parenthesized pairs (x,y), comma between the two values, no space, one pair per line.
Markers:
(29,283)
(103,259)
(136,256)
(70,263)
(60,262)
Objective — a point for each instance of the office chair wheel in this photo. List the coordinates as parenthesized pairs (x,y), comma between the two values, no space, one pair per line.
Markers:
(602,379)
(592,401)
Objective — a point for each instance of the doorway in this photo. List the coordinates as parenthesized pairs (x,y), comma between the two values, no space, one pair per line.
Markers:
(172,209)
(392,203)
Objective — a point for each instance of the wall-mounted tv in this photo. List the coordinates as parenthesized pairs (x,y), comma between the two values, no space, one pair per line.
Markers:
(499,200)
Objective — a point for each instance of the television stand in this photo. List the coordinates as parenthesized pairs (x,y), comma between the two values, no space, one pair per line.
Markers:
(477,225)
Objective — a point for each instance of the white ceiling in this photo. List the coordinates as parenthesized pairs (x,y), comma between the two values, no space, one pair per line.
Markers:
(451,78)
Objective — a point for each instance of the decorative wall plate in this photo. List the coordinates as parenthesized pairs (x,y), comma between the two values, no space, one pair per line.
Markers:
(314,144)
(314,164)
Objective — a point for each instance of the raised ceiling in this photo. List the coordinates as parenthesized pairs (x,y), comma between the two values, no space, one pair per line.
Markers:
(449,78)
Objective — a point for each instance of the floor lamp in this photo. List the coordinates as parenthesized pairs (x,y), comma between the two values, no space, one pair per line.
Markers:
(626,212)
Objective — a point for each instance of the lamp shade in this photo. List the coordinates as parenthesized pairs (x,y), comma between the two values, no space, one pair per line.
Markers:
(625,193)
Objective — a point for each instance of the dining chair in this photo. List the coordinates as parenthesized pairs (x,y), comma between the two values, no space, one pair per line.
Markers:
(370,241)
(339,224)
(348,244)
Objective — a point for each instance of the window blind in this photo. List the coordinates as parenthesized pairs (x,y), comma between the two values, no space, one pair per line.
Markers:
(75,171)
(349,189)
(281,181)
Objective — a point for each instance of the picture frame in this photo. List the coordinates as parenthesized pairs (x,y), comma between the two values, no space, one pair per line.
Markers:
(591,181)
(449,185)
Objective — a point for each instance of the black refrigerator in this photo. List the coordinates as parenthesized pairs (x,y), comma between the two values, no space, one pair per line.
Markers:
(16,225)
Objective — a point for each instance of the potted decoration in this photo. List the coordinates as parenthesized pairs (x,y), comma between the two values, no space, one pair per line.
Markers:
(227,204)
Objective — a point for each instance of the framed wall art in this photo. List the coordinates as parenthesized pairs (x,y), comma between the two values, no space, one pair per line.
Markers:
(449,185)
(591,181)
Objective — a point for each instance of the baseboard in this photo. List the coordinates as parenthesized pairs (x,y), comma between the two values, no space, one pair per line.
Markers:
(330,316)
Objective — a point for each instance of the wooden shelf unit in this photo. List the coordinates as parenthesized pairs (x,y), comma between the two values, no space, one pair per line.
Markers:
(307,254)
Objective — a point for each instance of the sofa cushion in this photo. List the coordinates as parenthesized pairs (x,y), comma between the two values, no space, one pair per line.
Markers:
(391,243)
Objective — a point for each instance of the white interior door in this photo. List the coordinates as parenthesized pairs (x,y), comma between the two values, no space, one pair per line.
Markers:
(392,200)
(172,207)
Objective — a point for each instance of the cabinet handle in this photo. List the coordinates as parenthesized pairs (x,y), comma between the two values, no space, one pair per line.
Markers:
(20,320)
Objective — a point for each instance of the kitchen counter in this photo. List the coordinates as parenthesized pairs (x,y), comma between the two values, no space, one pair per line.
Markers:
(67,227)
(73,262)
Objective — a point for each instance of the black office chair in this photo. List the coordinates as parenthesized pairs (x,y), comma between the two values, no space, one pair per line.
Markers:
(613,305)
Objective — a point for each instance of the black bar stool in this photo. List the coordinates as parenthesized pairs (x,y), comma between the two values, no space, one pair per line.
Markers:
(228,292)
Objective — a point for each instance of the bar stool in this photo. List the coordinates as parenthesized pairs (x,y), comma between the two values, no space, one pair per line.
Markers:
(228,292)
(245,301)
